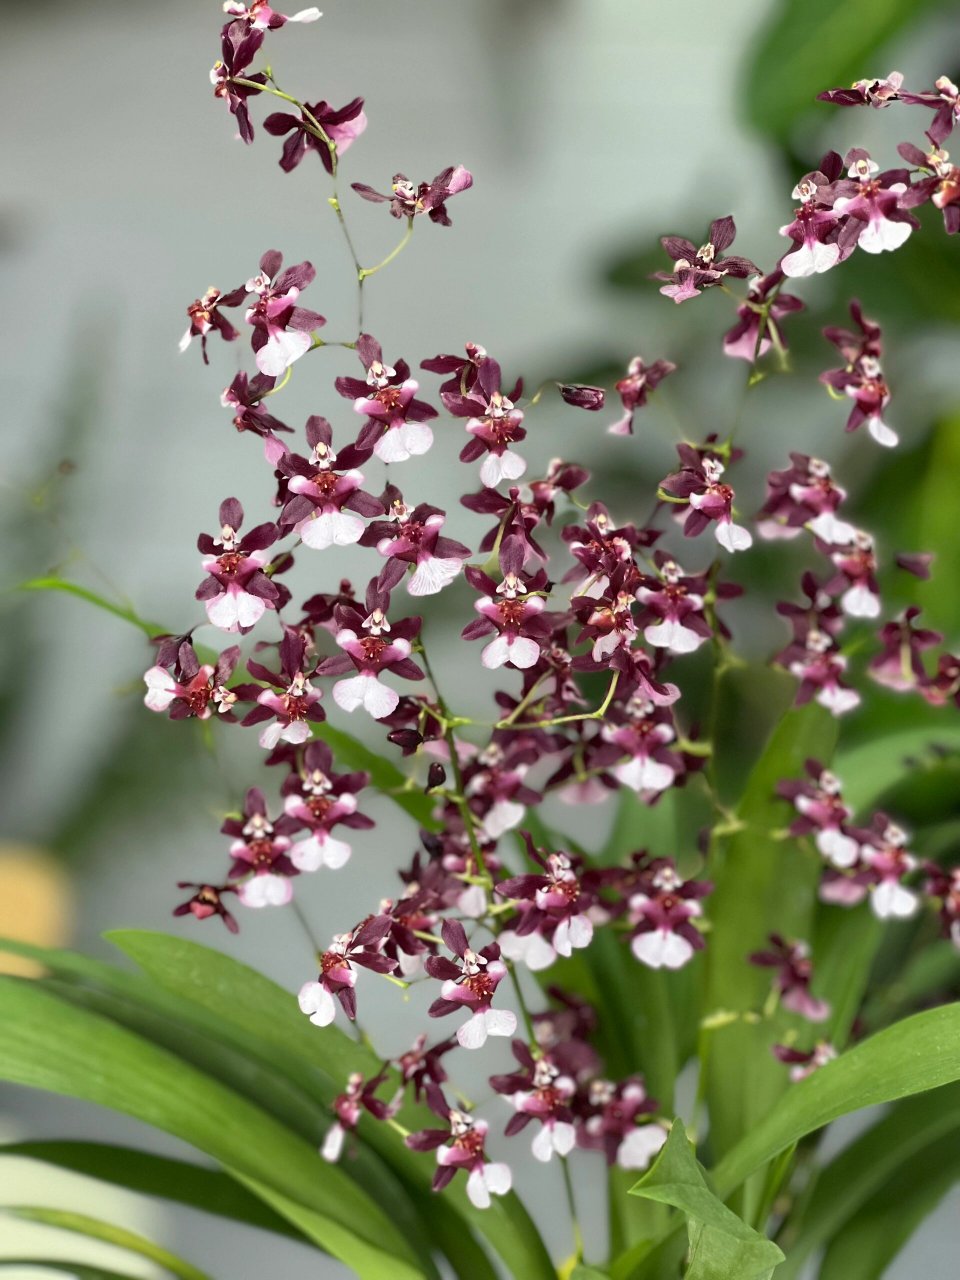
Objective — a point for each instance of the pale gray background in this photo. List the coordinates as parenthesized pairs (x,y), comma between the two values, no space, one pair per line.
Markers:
(587,124)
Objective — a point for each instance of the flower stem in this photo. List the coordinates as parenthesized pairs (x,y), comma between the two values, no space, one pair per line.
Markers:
(572,1203)
(363,272)
(598,714)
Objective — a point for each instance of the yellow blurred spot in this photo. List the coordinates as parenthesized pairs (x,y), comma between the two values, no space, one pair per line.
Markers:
(35,903)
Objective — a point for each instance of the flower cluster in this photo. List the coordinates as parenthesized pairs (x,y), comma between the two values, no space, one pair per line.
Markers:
(590,620)
(870,861)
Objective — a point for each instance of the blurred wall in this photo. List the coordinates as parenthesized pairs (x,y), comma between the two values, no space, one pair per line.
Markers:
(588,124)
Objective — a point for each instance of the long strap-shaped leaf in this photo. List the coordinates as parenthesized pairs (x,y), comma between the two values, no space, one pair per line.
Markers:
(288,1085)
(264,1012)
(49,1044)
(95,1229)
(201,1188)
(853,1178)
(77,1270)
(915,1055)
(919,1053)
(874,1236)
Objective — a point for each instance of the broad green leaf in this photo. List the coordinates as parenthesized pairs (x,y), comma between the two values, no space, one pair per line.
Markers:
(49,1044)
(762,883)
(78,1270)
(366,1259)
(95,1229)
(652,1259)
(937,521)
(919,1053)
(261,1012)
(201,1188)
(873,767)
(812,45)
(582,1272)
(285,1085)
(854,1177)
(722,1246)
(934,969)
(845,942)
(869,1243)
(267,1015)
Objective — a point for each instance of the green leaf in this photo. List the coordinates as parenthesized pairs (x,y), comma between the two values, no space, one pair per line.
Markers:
(856,1175)
(844,945)
(582,1272)
(208,1190)
(263,1014)
(812,45)
(49,1044)
(95,1229)
(761,883)
(872,768)
(921,1052)
(869,1243)
(934,970)
(78,1270)
(268,1017)
(722,1246)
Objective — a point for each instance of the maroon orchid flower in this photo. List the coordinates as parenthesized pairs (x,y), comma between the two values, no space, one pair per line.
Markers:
(793,977)
(899,665)
(395,428)
(513,613)
(290,703)
(765,305)
(245,397)
(804,496)
(461,1146)
(236,592)
(359,1096)
(409,201)
(412,539)
(553,908)
(634,389)
(661,912)
(697,269)
(710,499)
(318,799)
(259,15)
(206,318)
(190,689)
(326,500)
(862,378)
(207,902)
(363,946)
(866,93)
(342,126)
(239,45)
(259,852)
(371,645)
(283,330)
(818,800)
(470,984)
(609,1115)
(803,1064)
(539,1091)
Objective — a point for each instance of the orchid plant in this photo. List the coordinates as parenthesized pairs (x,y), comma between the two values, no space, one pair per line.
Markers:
(686,1002)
